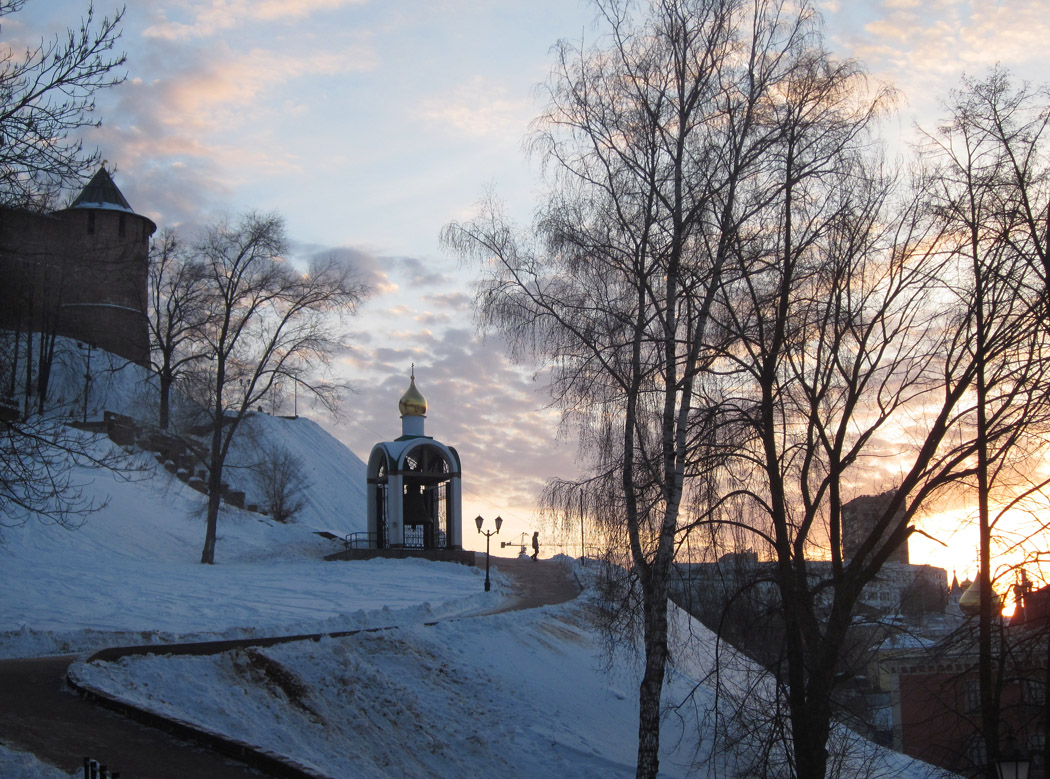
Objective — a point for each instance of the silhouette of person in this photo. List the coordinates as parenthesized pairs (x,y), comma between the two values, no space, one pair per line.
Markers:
(535,544)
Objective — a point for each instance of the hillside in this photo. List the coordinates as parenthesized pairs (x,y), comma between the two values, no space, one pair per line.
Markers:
(440,693)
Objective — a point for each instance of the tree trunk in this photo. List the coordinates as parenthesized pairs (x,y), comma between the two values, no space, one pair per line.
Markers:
(651,687)
(27,399)
(214,488)
(165,393)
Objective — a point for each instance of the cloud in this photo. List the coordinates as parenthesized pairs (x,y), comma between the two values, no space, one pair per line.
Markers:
(369,267)
(224,88)
(420,273)
(925,47)
(197,121)
(205,18)
(478,108)
(456,301)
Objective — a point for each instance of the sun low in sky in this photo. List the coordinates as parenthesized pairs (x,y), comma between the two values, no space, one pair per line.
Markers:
(371,124)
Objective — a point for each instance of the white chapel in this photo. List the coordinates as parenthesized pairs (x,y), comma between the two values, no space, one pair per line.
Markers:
(414,491)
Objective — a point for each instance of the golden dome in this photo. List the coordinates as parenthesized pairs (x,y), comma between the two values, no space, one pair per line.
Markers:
(970,601)
(412,403)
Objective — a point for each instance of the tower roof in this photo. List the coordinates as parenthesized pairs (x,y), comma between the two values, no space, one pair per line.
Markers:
(102,193)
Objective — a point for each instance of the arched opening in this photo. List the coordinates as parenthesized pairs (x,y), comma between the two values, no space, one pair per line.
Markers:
(378,496)
(427,472)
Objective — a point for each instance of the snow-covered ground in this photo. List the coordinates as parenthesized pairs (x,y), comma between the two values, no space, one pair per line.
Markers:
(131,572)
(522,694)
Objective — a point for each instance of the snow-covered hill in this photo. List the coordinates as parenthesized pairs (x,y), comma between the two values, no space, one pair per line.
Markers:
(335,497)
(525,694)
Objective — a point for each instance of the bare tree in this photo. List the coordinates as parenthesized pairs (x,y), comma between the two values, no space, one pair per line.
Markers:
(47,94)
(988,185)
(178,311)
(270,319)
(283,481)
(38,478)
(656,143)
(861,340)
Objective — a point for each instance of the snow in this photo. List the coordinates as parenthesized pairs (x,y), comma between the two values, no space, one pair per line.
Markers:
(133,570)
(471,697)
(15,763)
(439,692)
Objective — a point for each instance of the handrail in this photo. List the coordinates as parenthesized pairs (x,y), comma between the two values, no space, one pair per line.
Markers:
(362,539)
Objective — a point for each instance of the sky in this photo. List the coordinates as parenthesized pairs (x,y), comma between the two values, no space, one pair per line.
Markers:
(370,125)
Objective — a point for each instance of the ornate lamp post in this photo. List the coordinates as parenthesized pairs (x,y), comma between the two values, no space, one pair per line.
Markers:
(1013,761)
(478,520)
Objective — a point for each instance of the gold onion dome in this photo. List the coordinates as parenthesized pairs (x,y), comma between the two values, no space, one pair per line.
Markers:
(412,403)
(970,602)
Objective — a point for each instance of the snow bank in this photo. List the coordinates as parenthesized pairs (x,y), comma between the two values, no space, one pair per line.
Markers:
(518,694)
(525,694)
(15,763)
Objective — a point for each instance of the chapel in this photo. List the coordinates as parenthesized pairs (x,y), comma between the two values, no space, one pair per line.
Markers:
(414,492)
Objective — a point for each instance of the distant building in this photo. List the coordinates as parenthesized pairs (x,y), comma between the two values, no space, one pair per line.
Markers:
(80,272)
(934,693)
(859,518)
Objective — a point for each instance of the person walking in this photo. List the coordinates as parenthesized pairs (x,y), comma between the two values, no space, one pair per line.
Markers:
(535,545)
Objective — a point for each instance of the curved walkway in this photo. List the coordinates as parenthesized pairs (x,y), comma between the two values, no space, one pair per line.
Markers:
(39,713)
(536,583)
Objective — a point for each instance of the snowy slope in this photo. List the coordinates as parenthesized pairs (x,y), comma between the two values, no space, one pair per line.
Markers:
(131,572)
(335,499)
(337,475)
(526,694)
(522,694)
(133,569)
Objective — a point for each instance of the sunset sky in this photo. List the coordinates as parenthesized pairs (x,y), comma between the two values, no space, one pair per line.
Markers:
(370,124)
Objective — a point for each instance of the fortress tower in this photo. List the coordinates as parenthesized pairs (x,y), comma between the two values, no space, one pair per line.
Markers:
(80,272)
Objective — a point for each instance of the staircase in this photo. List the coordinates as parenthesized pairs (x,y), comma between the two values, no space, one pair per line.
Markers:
(179,456)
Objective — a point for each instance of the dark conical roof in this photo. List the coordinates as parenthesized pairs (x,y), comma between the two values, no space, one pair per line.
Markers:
(101,192)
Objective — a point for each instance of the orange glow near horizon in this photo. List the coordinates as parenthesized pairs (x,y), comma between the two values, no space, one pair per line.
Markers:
(958,554)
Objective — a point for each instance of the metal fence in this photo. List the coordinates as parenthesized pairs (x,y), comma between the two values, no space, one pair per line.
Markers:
(96,770)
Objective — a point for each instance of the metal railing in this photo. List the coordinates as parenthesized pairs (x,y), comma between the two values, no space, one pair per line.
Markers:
(414,538)
(96,770)
(360,540)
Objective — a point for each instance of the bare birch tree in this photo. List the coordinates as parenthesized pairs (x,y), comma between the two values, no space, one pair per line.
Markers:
(860,344)
(656,141)
(988,184)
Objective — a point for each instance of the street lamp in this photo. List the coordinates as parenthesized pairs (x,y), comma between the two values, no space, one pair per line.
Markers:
(1013,761)
(478,520)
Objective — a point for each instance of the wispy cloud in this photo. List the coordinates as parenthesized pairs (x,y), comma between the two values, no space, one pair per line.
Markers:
(478,108)
(924,47)
(226,87)
(200,121)
(205,18)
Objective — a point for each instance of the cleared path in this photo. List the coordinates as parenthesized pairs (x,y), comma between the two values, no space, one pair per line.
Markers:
(39,713)
(536,583)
